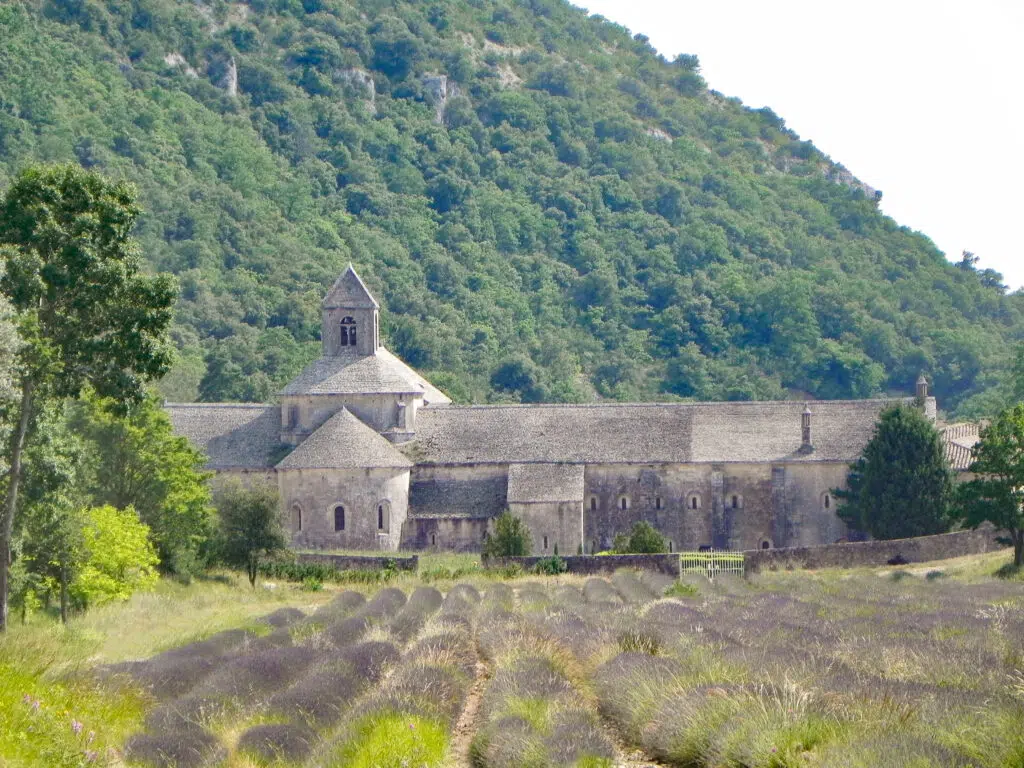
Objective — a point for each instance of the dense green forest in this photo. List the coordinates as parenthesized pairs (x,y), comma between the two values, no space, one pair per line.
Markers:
(546,208)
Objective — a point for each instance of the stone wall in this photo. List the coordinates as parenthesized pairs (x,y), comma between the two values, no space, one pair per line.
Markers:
(446,534)
(552,524)
(317,492)
(592,564)
(917,550)
(360,562)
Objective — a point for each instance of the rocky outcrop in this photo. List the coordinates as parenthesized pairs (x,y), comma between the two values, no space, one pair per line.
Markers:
(362,81)
(177,61)
(439,89)
(839,175)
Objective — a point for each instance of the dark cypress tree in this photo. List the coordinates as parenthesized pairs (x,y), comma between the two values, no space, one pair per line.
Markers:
(901,485)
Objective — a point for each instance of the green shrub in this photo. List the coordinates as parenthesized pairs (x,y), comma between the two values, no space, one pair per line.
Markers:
(550,566)
(680,589)
(511,538)
(642,539)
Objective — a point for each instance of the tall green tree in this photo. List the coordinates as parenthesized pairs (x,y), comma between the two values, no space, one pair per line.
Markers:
(996,494)
(901,485)
(136,460)
(86,314)
(250,526)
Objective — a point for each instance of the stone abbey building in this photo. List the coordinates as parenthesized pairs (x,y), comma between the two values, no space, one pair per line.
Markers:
(367,454)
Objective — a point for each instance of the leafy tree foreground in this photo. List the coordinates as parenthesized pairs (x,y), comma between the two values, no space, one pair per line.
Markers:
(566,215)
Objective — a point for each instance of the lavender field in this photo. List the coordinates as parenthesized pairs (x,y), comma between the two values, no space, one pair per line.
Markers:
(791,669)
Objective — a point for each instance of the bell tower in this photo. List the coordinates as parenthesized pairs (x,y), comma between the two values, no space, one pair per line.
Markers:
(351,318)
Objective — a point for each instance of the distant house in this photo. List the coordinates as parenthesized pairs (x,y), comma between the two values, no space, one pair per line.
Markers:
(366,453)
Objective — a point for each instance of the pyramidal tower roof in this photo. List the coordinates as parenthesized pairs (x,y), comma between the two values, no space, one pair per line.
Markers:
(350,291)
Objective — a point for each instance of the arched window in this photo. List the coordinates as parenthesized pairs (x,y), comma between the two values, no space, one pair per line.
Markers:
(657,502)
(766,544)
(348,332)
(623,503)
(826,500)
(593,503)
(433,539)
(384,516)
(296,518)
(671,546)
(735,502)
(694,501)
(339,518)
(545,543)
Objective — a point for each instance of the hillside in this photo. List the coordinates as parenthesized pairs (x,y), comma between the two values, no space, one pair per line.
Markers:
(547,209)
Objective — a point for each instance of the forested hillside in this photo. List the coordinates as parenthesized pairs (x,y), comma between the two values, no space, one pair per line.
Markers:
(546,208)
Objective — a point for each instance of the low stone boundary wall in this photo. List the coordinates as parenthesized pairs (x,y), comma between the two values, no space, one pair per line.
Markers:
(360,562)
(921,549)
(588,564)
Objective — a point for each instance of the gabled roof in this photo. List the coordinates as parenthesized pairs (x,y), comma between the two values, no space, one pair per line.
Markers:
(344,442)
(233,436)
(545,483)
(350,291)
(671,433)
(958,441)
(350,373)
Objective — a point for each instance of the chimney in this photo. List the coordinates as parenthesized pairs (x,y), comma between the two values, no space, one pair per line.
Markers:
(806,446)
(922,388)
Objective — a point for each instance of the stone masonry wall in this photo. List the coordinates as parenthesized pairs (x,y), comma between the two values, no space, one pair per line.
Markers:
(360,562)
(917,550)
(589,564)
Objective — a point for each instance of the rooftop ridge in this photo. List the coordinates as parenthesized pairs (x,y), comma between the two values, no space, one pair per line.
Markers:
(220,405)
(700,403)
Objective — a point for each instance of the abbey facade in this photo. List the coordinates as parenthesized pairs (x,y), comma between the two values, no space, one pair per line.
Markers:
(367,454)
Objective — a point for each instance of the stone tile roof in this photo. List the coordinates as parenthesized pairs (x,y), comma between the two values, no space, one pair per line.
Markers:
(344,442)
(545,483)
(676,433)
(233,436)
(958,441)
(350,373)
(349,291)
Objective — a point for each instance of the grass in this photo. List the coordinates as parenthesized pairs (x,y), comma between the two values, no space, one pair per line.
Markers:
(395,740)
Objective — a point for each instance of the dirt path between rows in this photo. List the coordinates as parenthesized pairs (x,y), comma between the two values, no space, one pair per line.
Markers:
(466,727)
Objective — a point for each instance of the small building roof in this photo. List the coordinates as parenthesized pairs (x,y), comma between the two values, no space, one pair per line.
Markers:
(531,483)
(233,436)
(349,291)
(671,433)
(958,441)
(351,374)
(344,442)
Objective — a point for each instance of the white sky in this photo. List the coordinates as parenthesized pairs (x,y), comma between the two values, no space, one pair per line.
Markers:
(921,99)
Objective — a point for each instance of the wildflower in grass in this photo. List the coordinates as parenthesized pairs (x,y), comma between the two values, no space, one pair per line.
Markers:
(76,727)
(91,755)
(89,739)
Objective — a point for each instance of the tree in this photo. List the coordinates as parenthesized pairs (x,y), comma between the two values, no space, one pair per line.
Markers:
(996,495)
(85,313)
(250,526)
(50,517)
(120,558)
(901,485)
(642,539)
(137,461)
(511,537)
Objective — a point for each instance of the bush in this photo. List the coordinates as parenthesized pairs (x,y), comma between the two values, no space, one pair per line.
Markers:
(642,539)
(511,538)
(121,558)
(551,566)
